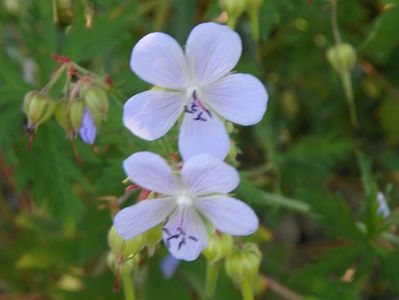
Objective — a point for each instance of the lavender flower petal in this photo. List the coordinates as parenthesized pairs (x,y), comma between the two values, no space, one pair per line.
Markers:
(88,130)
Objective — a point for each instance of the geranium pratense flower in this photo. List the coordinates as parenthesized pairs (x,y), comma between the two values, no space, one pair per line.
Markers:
(197,193)
(198,83)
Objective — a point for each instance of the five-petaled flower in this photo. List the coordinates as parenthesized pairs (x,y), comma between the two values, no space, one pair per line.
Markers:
(198,192)
(198,83)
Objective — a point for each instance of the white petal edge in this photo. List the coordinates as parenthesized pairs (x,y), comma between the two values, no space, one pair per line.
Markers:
(152,172)
(184,233)
(138,218)
(239,98)
(158,59)
(212,51)
(197,137)
(228,215)
(151,114)
(203,174)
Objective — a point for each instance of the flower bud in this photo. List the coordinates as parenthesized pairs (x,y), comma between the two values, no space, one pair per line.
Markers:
(151,238)
(62,114)
(28,100)
(76,110)
(342,57)
(219,247)
(234,9)
(38,108)
(116,265)
(121,248)
(244,263)
(97,101)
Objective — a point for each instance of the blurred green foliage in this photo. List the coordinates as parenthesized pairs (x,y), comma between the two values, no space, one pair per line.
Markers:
(311,176)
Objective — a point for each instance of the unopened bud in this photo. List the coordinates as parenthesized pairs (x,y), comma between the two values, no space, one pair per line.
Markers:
(97,101)
(219,247)
(116,265)
(38,108)
(62,114)
(342,57)
(244,263)
(234,9)
(121,248)
(151,238)
(27,101)
(76,110)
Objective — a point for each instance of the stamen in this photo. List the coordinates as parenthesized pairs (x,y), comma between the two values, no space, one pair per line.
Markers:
(196,107)
(179,235)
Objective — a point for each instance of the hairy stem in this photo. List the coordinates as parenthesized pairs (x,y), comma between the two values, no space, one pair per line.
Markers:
(212,273)
(246,290)
(128,285)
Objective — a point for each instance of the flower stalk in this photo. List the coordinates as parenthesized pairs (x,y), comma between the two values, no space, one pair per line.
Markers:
(246,289)
(128,284)
(212,274)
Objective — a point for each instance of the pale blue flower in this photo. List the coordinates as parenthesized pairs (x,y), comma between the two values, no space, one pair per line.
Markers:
(197,82)
(198,191)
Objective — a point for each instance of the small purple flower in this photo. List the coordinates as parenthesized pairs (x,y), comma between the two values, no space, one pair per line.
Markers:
(88,129)
(197,83)
(198,192)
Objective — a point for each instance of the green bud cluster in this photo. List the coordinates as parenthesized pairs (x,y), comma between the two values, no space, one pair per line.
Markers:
(243,264)
(83,107)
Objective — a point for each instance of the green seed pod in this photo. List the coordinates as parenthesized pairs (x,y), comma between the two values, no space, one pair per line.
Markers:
(121,248)
(76,110)
(219,247)
(342,57)
(234,9)
(96,99)
(244,263)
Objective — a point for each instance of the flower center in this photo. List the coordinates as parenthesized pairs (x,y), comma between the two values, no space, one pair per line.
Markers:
(195,105)
(184,200)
